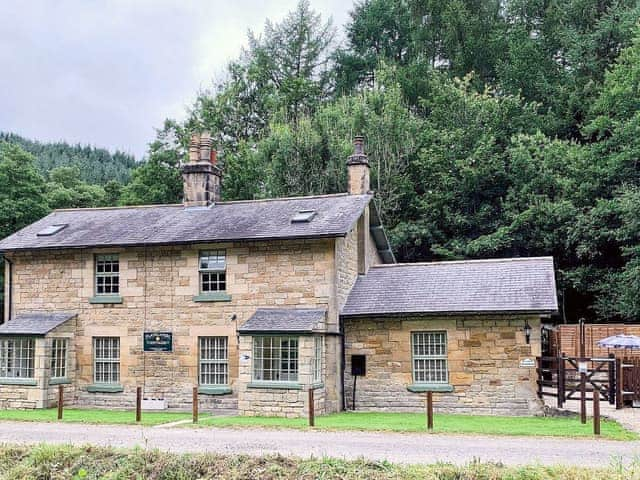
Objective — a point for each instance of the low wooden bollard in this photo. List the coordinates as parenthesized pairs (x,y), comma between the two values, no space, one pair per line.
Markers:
(312,409)
(195,404)
(596,412)
(429,408)
(60,401)
(138,404)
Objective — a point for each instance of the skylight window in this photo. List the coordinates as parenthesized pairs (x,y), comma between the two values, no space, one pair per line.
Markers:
(52,230)
(303,216)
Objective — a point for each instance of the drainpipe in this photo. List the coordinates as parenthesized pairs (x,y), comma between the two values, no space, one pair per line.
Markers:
(10,292)
(343,361)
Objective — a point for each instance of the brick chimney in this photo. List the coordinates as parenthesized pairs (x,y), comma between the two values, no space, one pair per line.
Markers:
(358,169)
(201,176)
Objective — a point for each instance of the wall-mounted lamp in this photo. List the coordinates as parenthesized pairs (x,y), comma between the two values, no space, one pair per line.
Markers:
(527,332)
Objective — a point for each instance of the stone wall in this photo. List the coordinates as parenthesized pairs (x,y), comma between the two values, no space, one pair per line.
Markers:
(484,355)
(158,286)
(278,401)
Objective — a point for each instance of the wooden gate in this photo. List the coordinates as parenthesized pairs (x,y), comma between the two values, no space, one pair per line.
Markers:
(630,373)
(579,378)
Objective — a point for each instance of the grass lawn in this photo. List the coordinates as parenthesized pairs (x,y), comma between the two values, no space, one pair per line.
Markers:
(443,423)
(88,463)
(93,416)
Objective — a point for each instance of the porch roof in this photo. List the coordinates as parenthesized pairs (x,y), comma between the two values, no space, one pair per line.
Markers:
(39,323)
(284,320)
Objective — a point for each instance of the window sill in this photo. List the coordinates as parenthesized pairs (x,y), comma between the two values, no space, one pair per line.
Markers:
(214,390)
(106,299)
(27,382)
(317,385)
(105,388)
(59,381)
(276,385)
(212,297)
(430,387)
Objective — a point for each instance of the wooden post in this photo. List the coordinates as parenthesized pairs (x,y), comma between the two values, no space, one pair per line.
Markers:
(561,378)
(429,402)
(540,377)
(195,404)
(612,379)
(583,395)
(138,404)
(596,411)
(60,401)
(619,380)
(583,377)
(312,409)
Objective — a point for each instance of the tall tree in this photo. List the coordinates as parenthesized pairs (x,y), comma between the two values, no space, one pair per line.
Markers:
(22,200)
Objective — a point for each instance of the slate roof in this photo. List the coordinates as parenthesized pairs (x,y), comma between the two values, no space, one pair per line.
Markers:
(175,224)
(525,285)
(34,323)
(298,320)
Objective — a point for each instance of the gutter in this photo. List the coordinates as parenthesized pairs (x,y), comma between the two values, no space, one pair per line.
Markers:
(171,243)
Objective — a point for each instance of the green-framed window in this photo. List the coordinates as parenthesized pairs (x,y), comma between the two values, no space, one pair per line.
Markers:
(275,359)
(213,271)
(106,360)
(59,358)
(318,350)
(107,268)
(214,360)
(17,357)
(429,351)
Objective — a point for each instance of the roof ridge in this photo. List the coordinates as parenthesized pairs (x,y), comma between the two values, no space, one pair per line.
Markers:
(276,199)
(451,262)
(127,207)
(228,202)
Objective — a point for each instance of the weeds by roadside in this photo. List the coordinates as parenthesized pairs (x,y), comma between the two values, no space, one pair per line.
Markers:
(88,463)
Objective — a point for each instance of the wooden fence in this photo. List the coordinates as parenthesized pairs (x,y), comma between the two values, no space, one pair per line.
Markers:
(566,338)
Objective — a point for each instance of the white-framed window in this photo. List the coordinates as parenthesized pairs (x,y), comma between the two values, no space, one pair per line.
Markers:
(107,275)
(275,359)
(17,357)
(429,357)
(317,359)
(213,271)
(106,359)
(59,358)
(214,361)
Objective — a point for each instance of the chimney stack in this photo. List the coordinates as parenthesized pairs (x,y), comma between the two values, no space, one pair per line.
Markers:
(201,176)
(358,169)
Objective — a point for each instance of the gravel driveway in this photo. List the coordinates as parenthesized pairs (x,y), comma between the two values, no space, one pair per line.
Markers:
(395,447)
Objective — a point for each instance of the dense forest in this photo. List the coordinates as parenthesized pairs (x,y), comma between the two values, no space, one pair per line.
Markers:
(494,128)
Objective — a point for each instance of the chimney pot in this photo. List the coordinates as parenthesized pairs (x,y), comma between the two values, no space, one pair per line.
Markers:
(205,147)
(358,168)
(194,148)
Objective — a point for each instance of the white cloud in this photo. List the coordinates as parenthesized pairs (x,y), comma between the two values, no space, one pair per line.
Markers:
(108,73)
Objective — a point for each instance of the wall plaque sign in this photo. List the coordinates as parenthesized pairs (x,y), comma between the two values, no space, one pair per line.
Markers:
(527,363)
(158,341)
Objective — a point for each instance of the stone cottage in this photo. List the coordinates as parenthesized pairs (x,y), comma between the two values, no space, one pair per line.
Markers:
(256,302)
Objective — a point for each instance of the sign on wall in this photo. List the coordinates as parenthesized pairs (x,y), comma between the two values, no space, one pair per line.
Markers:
(527,363)
(158,342)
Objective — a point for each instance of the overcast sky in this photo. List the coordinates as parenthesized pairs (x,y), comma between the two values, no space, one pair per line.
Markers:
(108,72)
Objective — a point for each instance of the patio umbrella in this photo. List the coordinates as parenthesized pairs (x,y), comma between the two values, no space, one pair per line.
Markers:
(631,342)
